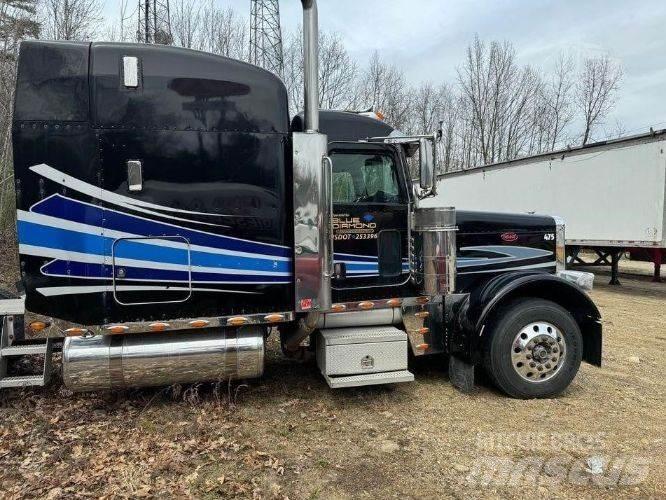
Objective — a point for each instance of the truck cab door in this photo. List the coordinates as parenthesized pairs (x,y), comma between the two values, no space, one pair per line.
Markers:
(370,216)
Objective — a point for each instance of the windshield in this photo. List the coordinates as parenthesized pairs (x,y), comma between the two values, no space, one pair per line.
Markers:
(365,178)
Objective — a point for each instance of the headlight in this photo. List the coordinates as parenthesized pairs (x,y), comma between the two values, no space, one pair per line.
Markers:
(560,248)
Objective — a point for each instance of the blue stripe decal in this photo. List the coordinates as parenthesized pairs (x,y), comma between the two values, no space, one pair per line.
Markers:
(74,241)
(75,211)
(369,267)
(101,271)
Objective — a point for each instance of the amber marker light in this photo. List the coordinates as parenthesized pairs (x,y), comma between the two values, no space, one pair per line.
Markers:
(366,305)
(423,300)
(423,331)
(422,314)
(38,326)
(237,321)
(393,302)
(199,323)
(423,346)
(159,326)
(75,331)
(274,318)
(338,307)
(117,328)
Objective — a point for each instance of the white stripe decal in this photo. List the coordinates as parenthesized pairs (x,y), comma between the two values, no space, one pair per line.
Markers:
(102,194)
(88,258)
(160,222)
(531,266)
(151,280)
(356,255)
(51,291)
(79,227)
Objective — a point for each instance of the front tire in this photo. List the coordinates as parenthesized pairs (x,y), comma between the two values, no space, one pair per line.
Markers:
(535,349)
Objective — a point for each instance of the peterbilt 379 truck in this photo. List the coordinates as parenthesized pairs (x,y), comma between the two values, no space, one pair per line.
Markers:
(171,216)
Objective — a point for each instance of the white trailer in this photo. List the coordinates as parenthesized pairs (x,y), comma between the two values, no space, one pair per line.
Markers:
(610,194)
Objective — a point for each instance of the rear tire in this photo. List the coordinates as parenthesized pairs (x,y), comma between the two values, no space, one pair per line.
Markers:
(535,349)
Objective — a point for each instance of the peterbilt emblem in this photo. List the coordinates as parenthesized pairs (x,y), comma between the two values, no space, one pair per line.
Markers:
(367,362)
(509,237)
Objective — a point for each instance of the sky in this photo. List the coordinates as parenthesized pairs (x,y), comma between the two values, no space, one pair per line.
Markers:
(427,38)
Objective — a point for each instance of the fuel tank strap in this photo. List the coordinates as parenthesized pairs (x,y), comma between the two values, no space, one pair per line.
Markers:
(116,361)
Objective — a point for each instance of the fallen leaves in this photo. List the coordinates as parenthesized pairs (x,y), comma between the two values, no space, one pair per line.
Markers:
(58,447)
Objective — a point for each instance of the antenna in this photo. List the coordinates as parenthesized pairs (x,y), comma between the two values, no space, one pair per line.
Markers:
(154,22)
(266,36)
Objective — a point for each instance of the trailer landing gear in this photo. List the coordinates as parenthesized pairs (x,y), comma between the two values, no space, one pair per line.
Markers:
(606,256)
(615,262)
(657,257)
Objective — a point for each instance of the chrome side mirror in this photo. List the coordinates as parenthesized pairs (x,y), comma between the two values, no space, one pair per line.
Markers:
(427,167)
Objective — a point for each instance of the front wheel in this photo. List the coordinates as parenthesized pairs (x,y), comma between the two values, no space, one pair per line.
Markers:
(535,349)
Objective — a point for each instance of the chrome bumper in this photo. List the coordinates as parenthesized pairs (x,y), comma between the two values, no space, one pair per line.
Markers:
(580,278)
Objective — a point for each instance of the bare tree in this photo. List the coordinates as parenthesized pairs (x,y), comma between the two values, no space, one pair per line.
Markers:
(618,130)
(385,88)
(70,19)
(559,99)
(596,91)
(427,108)
(186,23)
(17,22)
(126,29)
(292,75)
(337,72)
(500,98)
(223,32)
(449,152)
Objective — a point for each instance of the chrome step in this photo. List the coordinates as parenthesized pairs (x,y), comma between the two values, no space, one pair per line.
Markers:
(12,307)
(24,350)
(23,381)
(7,350)
(369,379)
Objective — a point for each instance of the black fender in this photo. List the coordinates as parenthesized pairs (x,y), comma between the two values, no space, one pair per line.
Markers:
(469,315)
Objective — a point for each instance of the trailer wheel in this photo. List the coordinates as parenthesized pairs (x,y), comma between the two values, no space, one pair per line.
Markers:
(535,349)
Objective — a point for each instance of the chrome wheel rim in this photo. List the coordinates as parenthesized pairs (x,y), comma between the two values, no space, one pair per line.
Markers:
(538,352)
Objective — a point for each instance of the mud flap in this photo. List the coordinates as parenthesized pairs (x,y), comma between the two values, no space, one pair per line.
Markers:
(461,374)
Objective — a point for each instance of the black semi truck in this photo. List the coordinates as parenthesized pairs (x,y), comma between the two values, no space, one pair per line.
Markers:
(171,217)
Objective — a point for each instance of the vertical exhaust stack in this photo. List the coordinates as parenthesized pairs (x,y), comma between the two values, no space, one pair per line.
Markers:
(313,209)
(311,65)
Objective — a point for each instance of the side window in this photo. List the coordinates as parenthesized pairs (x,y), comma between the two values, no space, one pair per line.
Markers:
(365,178)
(378,175)
(343,188)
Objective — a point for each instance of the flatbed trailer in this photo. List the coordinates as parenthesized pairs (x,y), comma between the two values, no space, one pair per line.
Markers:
(610,194)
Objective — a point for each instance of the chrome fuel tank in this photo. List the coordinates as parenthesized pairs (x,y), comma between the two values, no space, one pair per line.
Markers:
(120,361)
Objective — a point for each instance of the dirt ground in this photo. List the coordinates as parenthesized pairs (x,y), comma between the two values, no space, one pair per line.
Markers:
(288,435)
